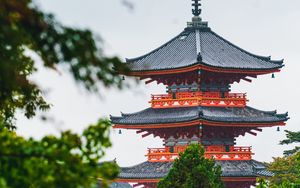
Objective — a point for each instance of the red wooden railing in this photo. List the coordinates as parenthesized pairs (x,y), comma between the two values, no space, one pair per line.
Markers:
(183,99)
(215,152)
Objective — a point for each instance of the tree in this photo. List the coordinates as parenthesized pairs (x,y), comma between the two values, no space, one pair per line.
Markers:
(193,170)
(24,30)
(286,171)
(262,183)
(67,161)
(292,138)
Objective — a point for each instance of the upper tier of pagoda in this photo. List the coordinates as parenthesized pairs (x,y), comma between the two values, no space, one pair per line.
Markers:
(199,48)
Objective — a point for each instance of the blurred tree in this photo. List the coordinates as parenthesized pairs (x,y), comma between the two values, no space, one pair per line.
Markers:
(70,160)
(67,161)
(193,170)
(292,138)
(24,30)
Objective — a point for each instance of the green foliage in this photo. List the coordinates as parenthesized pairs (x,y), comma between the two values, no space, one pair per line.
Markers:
(193,170)
(67,161)
(24,28)
(286,185)
(286,170)
(292,138)
(262,183)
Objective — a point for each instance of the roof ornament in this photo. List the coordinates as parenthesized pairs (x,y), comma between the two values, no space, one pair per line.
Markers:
(196,11)
(196,20)
(199,57)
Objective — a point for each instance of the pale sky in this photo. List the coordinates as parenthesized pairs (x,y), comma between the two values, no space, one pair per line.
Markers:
(263,27)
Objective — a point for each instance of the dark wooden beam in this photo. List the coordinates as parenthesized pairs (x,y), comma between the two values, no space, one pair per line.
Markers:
(145,135)
(247,79)
(140,131)
(149,81)
(143,77)
(252,76)
(253,133)
(258,129)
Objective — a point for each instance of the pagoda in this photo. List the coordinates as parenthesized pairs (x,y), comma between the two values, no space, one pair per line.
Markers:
(198,68)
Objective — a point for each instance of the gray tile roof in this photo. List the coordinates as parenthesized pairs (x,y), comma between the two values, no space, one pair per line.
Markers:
(120,185)
(157,170)
(146,170)
(184,114)
(182,51)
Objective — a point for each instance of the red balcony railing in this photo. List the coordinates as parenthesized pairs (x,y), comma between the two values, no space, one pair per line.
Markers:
(183,99)
(230,153)
(215,152)
(161,155)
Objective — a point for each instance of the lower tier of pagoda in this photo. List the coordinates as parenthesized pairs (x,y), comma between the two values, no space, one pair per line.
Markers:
(218,153)
(235,174)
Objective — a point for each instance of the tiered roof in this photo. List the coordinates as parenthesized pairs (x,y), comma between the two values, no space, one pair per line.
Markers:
(230,115)
(150,170)
(199,47)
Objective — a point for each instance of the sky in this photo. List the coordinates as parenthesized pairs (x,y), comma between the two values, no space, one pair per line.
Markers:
(268,27)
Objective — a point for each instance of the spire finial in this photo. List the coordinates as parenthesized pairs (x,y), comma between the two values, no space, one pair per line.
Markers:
(196,4)
(197,20)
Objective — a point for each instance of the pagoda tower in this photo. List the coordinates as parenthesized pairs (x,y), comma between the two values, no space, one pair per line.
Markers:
(198,67)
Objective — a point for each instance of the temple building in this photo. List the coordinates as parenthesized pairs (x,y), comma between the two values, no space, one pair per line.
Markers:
(198,68)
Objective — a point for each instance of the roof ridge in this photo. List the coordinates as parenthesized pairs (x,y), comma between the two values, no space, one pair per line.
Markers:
(133,165)
(146,162)
(198,41)
(274,112)
(134,113)
(279,62)
(283,115)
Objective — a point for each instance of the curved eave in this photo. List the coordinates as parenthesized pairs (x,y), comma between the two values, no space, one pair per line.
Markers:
(203,66)
(200,122)
(145,180)
(197,115)
(201,41)
(125,180)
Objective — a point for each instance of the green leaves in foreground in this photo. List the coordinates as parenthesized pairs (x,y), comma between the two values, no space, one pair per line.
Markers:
(67,161)
(27,30)
(193,170)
